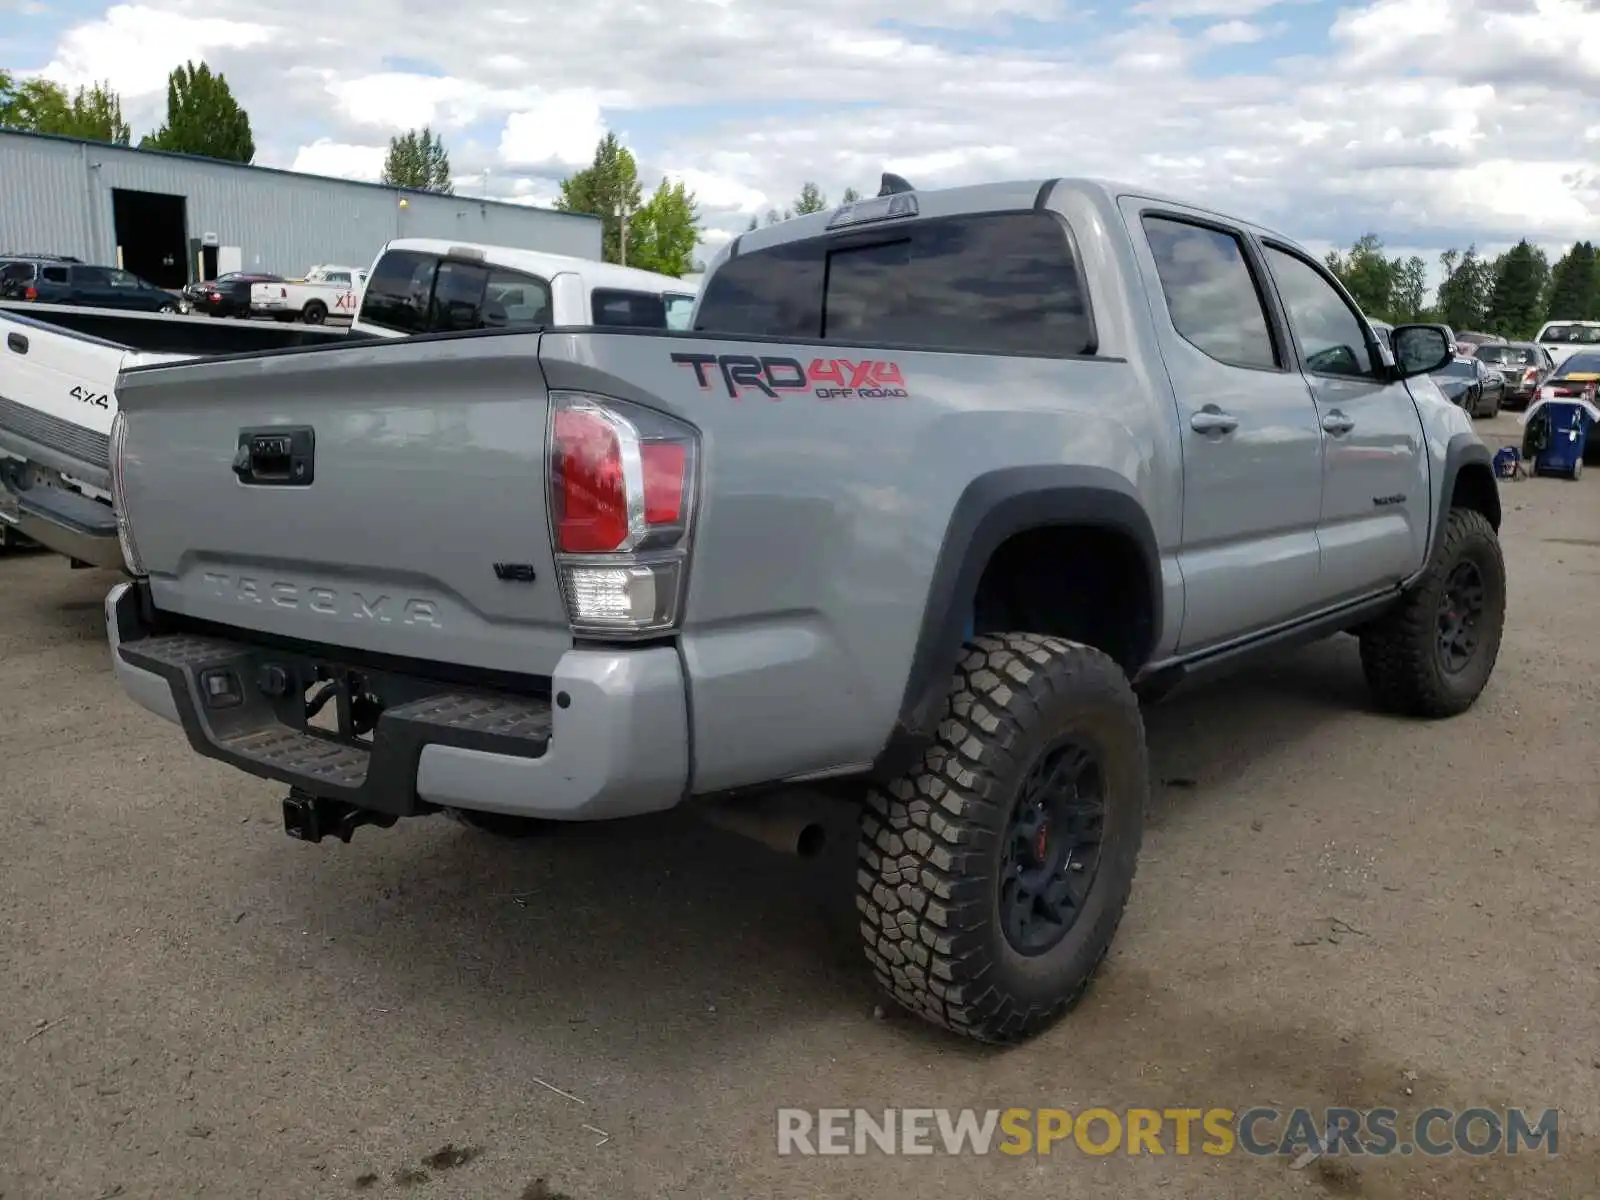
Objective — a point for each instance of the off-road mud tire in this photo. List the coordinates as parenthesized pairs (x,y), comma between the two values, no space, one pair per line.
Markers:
(932,842)
(1399,654)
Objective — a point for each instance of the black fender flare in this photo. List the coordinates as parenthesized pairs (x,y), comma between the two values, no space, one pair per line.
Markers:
(991,509)
(1464,451)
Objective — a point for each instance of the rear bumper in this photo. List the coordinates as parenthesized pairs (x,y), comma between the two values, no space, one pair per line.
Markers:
(67,522)
(613,743)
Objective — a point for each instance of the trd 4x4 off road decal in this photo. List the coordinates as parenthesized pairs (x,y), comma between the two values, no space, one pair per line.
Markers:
(826,378)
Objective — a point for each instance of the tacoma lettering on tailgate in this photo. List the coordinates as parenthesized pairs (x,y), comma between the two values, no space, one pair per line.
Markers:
(329,602)
(826,378)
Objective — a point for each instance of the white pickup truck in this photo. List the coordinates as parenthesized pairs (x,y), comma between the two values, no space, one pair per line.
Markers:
(59,364)
(325,291)
(1562,339)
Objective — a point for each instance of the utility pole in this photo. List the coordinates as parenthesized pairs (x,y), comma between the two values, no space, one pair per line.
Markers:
(622,231)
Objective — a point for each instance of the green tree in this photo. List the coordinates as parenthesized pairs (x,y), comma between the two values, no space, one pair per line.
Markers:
(1367,275)
(39,106)
(664,231)
(203,118)
(1464,292)
(609,189)
(1520,275)
(417,159)
(1409,300)
(850,196)
(809,200)
(1572,284)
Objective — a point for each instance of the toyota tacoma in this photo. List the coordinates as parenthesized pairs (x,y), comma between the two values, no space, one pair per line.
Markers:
(937,487)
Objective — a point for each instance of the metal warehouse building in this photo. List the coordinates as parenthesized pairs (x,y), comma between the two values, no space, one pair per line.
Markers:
(174,218)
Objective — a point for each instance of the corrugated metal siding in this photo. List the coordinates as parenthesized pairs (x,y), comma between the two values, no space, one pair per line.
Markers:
(55,197)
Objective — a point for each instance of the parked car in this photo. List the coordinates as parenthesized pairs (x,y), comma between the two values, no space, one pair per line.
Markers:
(1468,341)
(96,287)
(1472,385)
(19,270)
(229,295)
(1524,364)
(937,484)
(1562,338)
(1572,377)
(325,291)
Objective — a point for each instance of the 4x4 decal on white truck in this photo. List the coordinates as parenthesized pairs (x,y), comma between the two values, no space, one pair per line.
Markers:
(98,399)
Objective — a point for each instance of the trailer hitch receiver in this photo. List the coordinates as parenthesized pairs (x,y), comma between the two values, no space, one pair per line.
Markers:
(312,818)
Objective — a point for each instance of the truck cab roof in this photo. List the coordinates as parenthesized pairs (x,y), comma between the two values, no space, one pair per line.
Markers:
(600,274)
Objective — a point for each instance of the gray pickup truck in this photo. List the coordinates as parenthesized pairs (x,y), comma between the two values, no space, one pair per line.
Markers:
(938,487)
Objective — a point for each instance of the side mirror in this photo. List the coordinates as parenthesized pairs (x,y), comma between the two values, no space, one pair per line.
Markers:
(1420,349)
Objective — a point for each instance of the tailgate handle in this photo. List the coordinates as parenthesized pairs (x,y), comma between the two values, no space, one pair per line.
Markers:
(17,342)
(282,456)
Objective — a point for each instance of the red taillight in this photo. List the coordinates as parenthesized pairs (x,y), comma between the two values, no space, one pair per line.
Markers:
(622,486)
(666,466)
(30,293)
(216,297)
(591,514)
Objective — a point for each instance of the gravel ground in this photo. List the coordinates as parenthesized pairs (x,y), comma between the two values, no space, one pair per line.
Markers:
(1333,908)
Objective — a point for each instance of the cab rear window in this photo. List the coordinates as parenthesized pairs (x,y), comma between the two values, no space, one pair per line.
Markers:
(985,283)
(637,310)
(413,292)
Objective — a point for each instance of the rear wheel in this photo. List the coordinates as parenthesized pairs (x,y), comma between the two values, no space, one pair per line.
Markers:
(992,878)
(315,313)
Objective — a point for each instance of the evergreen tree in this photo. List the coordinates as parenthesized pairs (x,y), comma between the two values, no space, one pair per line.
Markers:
(417,159)
(203,118)
(1519,283)
(607,188)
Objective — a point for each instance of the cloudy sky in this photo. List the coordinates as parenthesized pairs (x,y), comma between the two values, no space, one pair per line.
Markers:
(1432,122)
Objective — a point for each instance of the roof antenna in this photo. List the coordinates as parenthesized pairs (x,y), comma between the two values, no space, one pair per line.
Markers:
(894,184)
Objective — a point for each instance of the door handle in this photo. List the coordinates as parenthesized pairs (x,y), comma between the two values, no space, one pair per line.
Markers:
(1212,419)
(17,342)
(1337,424)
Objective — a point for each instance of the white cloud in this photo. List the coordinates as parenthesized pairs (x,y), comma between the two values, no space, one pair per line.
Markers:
(1233,33)
(560,129)
(135,46)
(341,160)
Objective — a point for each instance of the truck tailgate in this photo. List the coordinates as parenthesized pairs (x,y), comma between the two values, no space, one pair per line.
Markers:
(418,466)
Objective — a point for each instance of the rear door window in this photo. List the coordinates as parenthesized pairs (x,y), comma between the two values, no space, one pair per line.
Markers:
(92,277)
(398,293)
(636,310)
(1211,294)
(987,283)
(53,274)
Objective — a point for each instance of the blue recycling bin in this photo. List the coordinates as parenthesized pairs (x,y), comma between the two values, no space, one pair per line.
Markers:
(1562,453)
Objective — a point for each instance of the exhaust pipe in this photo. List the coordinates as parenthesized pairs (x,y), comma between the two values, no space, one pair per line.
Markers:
(780,824)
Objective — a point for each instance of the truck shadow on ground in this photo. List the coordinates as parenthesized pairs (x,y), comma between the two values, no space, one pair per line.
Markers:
(661,919)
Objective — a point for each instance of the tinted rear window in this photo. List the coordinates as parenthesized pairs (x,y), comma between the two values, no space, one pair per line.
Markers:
(412,292)
(639,310)
(1515,356)
(991,283)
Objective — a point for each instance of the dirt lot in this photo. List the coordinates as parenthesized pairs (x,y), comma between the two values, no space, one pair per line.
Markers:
(1334,908)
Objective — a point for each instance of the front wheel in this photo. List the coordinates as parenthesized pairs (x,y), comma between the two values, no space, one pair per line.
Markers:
(1432,655)
(315,313)
(991,878)
(167,308)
